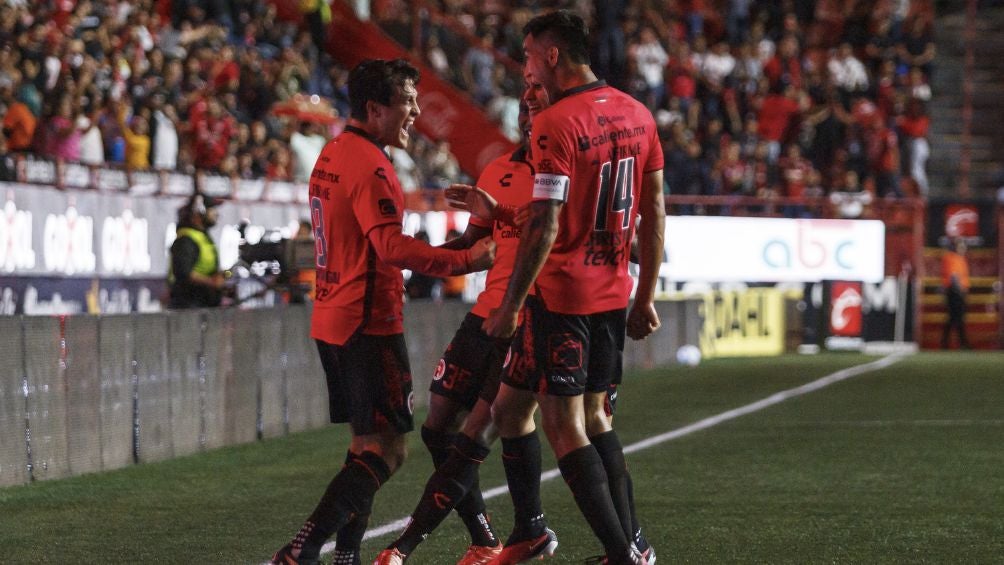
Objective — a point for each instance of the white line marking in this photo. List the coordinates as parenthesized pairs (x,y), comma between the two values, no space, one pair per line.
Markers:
(704,424)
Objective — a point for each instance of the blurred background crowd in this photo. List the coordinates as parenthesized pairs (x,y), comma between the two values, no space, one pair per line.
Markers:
(752,97)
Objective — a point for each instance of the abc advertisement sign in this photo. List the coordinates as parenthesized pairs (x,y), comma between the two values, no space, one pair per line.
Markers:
(722,249)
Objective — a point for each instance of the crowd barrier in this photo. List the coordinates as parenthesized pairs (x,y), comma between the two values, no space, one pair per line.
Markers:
(81,394)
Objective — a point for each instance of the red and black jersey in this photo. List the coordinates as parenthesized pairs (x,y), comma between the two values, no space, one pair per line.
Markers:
(353,189)
(509,179)
(591,150)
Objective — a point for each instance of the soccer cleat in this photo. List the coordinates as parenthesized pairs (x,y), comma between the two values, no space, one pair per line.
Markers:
(390,556)
(285,557)
(523,551)
(480,555)
(649,555)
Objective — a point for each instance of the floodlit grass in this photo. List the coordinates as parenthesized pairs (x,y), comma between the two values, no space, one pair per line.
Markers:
(903,464)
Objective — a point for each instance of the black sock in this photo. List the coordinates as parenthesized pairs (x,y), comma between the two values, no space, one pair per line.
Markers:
(471,508)
(350,536)
(639,540)
(583,470)
(447,486)
(474,514)
(521,459)
(608,446)
(350,493)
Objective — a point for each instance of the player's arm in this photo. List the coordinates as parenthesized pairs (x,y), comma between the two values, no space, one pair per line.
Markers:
(471,235)
(643,319)
(406,252)
(480,204)
(539,233)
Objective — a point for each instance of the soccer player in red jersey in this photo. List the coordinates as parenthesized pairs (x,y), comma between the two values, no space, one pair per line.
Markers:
(598,164)
(356,208)
(467,377)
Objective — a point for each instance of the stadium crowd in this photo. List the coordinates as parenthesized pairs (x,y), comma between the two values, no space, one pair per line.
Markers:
(753,97)
(179,85)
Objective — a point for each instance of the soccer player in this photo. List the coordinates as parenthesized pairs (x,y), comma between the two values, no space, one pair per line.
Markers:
(356,207)
(597,163)
(467,377)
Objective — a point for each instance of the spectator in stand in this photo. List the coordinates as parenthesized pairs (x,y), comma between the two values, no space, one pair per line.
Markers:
(718,64)
(777,118)
(882,150)
(917,48)
(735,176)
(213,131)
(913,127)
(477,69)
(164,132)
(682,72)
(917,85)
(62,132)
(650,61)
(847,72)
(796,172)
(737,22)
(92,150)
(306,144)
(279,167)
(18,121)
(443,167)
(785,69)
(135,131)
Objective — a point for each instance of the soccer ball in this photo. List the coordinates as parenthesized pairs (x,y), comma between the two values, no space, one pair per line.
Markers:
(688,355)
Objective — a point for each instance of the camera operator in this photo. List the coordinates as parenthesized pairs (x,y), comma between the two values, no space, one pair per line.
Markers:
(194,277)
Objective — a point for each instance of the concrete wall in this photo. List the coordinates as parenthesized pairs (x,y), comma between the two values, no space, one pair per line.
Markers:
(81,394)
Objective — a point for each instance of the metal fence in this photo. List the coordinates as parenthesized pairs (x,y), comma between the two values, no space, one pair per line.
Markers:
(80,394)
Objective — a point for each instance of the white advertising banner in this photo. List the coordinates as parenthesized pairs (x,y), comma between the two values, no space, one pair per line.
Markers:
(728,249)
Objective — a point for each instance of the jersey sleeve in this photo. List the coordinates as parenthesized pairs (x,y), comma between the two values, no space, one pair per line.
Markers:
(551,160)
(377,201)
(654,161)
(484,183)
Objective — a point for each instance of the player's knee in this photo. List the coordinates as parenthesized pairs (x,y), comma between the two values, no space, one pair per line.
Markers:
(394,451)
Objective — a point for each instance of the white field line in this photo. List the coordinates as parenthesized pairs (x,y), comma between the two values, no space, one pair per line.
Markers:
(777,398)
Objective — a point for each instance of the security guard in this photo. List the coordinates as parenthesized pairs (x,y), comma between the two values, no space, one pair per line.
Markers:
(194,277)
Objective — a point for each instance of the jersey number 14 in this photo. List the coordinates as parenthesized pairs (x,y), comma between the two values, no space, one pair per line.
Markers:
(622,197)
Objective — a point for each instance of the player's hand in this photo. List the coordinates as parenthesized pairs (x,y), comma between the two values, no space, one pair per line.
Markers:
(219,280)
(500,324)
(473,199)
(642,321)
(482,254)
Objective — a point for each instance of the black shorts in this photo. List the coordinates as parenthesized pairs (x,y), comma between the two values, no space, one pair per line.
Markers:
(566,354)
(369,383)
(471,365)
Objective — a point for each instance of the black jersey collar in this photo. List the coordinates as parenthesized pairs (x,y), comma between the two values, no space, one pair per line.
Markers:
(363,134)
(582,88)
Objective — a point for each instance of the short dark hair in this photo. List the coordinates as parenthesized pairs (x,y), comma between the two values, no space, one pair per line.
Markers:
(378,80)
(568,32)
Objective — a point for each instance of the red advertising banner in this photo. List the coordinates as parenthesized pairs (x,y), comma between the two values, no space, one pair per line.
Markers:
(845,309)
(962,220)
(447,113)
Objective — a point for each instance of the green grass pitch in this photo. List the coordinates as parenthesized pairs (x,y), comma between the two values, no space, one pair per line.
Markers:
(903,464)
